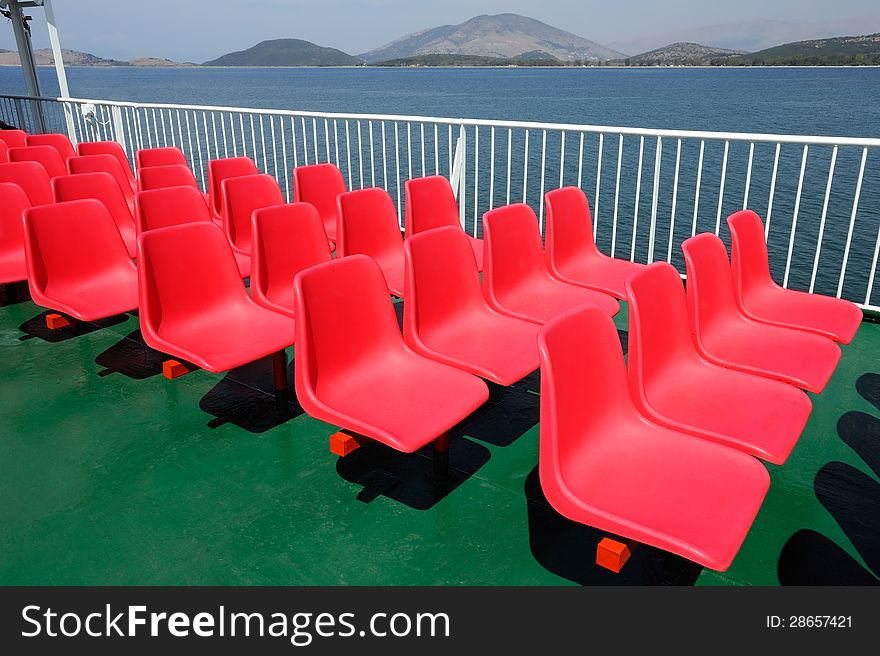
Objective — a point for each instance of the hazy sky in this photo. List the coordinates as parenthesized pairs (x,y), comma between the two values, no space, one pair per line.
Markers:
(197,30)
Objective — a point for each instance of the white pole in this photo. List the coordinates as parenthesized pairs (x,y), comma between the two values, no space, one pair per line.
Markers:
(59,66)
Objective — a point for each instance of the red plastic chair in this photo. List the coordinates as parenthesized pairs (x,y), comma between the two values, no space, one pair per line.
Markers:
(354,370)
(446,318)
(104,164)
(149,157)
(45,156)
(109,148)
(77,262)
(368,225)
(13,203)
(221,169)
(172,175)
(430,203)
(241,196)
(516,280)
(59,142)
(727,337)
(760,298)
(102,187)
(194,306)
(32,178)
(603,464)
(4,152)
(160,208)
(14,138)
(677,387)
(286,239)
(570,251)
(320,184)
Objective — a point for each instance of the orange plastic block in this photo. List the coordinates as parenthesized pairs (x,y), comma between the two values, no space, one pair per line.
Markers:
(612,554)
(172,369)
(56,322)
(344,443)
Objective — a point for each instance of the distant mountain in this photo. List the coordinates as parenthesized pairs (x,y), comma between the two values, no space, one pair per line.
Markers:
(682,54)
(503,35)
(750,35)
(44,57)
(157,62)
(526,59)
(837,51)
(286,52)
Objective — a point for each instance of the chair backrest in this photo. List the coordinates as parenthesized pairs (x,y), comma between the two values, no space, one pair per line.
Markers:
(13,203)
(568,234)
(710,294)
(171,175)
(4,152)
(14,138)
(241,196)
(160,208)
(104,164)
(148,157)
(59,142)
(320,184)
(442,280)
(367,224)
(68,244)
(187,275)
(107,148)
(32,178)
(584,388)
(512,247)
(659,334)
(286,239)
(103,188)
(748,253)
(429,203)
(343,317)
(221,169)
(46,156)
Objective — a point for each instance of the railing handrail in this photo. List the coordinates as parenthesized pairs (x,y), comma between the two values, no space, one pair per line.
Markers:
(862,142)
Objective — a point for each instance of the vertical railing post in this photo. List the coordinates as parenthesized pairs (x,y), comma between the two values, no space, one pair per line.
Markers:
(457,179)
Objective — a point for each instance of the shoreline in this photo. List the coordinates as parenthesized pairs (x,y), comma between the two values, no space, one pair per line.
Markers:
(408,67)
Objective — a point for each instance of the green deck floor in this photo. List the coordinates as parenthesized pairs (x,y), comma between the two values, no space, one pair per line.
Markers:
(111,474)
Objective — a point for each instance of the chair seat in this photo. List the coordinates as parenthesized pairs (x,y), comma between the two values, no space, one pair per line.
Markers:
(227,340)
(680,493)
(603,273)
(803,359)
(401,399)
(280,299)
(392,266)
(12,267)
(832,317)
(487,344)
(98,297)
(477,246)
(540,299)
(243,260)
(759,416)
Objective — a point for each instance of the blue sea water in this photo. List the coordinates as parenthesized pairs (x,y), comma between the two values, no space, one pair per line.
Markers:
(817,101)
(801,101)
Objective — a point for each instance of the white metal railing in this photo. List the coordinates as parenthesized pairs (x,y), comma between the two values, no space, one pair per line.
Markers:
(649,189)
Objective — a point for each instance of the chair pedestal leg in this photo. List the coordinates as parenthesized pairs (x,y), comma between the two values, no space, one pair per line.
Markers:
(56,322)
(11,293)
(612,554)
(441,458)
(279,363)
